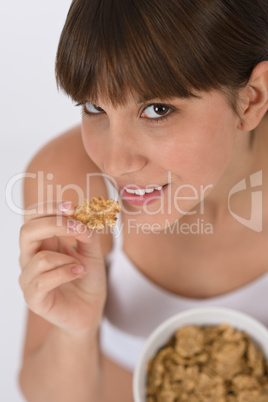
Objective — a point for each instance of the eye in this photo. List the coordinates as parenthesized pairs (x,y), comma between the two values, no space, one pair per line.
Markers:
(156,111)
(90,108)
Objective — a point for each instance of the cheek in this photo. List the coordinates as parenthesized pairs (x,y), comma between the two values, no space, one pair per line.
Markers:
(92,143)
(213,157)
(218,147)
(204,158)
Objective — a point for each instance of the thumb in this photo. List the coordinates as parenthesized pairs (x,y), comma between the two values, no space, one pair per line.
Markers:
(90,253)
(88,246)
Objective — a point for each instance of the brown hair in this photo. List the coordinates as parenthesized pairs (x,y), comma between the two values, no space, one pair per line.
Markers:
(160,48)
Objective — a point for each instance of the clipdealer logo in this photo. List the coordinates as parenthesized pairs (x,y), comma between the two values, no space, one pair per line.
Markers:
(255,220)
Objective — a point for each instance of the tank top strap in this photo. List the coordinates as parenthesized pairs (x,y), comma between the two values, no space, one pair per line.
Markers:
(117,230)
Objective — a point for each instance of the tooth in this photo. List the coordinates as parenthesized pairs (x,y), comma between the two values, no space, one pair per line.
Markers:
(140,191)
(143,191)
(128,190)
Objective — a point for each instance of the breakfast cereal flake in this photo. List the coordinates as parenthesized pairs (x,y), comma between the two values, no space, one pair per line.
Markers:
(208,364)
(97,212)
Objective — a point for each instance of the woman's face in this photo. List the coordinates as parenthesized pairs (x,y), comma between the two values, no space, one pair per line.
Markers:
(175,149)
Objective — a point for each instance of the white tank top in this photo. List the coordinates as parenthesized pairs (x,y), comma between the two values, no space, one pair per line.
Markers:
(136,306)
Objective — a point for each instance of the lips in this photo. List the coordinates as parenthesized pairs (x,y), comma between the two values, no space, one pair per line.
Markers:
(142,195)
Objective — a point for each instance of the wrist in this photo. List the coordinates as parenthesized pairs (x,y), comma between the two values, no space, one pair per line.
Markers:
(80,337)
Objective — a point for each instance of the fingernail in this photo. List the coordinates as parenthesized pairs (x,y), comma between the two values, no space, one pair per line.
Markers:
(66,206)
(78,269)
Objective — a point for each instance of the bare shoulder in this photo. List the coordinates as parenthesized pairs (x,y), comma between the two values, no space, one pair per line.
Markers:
(62,170)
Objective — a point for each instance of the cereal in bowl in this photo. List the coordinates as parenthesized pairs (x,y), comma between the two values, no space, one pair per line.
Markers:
(208,364)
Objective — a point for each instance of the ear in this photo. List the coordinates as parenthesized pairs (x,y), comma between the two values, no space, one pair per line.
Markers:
(254,98)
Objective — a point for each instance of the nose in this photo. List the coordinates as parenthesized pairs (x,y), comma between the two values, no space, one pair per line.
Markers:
(122,153)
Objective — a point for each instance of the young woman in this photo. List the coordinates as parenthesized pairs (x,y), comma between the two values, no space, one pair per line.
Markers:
(174,96)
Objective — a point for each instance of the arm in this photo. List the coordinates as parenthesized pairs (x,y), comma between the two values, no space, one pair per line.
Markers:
(64,367)
(61,359)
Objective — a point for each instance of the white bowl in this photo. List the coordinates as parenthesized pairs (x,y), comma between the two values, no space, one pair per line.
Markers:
(198,316)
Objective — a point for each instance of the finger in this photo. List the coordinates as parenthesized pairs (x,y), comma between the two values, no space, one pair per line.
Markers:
(91,256)
(42,209)
(89,246)
(34,232)
(38,290)
(42,262)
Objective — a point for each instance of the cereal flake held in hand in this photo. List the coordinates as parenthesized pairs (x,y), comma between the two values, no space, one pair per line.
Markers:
(97,212)
(208,364)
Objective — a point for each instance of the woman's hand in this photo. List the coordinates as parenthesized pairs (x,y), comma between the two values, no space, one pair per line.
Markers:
(65,285)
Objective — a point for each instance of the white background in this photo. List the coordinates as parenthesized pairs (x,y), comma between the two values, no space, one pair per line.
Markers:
(32,111)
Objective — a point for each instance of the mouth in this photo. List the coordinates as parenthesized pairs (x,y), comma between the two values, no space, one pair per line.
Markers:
(142,195)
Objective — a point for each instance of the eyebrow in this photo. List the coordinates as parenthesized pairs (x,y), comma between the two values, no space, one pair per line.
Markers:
(152,100)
